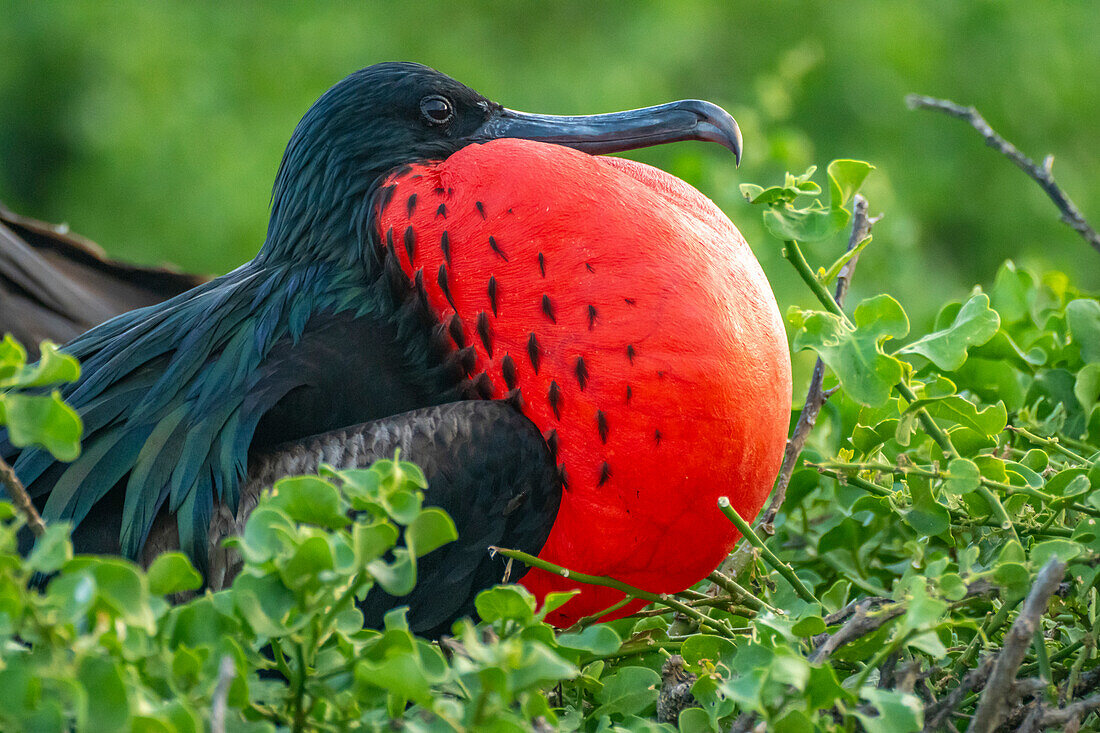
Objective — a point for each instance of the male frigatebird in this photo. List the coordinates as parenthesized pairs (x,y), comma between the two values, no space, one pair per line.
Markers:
(581,350)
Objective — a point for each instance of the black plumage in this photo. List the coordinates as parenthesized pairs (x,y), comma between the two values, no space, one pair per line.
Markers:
(322,329)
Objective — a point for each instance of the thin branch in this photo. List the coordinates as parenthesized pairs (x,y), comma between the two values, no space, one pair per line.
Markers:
(770,557)
(21,499)
(1041,174)
(992,708)
(937,714)
(741,593)
(1061,716)
(849,610)
(816,396)
(859,625)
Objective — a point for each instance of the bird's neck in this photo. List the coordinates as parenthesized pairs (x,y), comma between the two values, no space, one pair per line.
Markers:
(321,206)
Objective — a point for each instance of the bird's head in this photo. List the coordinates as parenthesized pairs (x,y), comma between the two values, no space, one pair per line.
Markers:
(392,114)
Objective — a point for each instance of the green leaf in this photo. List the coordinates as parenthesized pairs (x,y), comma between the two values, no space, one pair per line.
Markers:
(1011,293)
(923,611)
(52,550)
(809,626)
(963,476)
(629,691)
(42,421)
(172,572)
(1064,550)
(990,420)
(310,500)
(310,560)
(823,688)
(597,639)
(371,541)
(829,275)
(896,712)
(855,355)
(400,674)
(553,601)
(1083,319)
(952,586)
(108,703)
(403,504)
(810,224)
(708,647)
(928,517)
(53,367)
(12,359)
(432,528)
(775,194)
(264,603)
(1086,387)
(397,578)
(975,324)
(845,178)
(505,602)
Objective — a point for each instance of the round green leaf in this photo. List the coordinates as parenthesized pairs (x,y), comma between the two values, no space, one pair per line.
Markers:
(172,572)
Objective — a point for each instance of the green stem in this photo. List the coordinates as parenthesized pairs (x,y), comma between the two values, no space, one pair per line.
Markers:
(635,648)
(1054,443)
(880,658)
(769,556)
(740,593)
(1079,445)
(959,517)
(587,620)
(999,511)
(1008,489)
(935,431)
(1063,653)
(862,583)
(989,628)
(1042,656)
(794,255)
(1089,644)
(300,690)
(662,598)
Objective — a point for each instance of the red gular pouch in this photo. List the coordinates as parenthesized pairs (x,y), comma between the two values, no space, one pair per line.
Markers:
(641,332)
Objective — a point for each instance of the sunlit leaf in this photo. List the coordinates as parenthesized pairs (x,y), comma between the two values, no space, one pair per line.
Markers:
(855,354)
(974,325)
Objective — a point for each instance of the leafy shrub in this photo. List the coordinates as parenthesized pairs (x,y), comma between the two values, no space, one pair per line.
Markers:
(944,473)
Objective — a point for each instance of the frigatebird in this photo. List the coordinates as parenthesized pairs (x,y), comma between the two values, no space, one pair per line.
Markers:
(581,350)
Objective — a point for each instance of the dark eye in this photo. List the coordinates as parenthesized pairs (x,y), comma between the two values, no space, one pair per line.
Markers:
(436,109)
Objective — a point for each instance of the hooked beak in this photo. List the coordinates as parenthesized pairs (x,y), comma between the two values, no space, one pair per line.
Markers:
(688,119)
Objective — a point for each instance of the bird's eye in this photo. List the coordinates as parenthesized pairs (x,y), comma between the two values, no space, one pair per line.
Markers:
(436,109)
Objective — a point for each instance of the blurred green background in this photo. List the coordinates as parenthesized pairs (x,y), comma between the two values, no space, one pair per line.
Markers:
(156,128)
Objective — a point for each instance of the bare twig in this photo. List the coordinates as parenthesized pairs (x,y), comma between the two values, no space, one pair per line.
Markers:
(936,715)
(992,709)
(21,499)
(846,613)
(1088,682)
(220,699)
(859,625)
(1077,710)
(1041,174)
(816,396)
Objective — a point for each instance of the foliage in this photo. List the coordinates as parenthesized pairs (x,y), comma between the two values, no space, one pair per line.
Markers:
(35,419)
(946,469)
